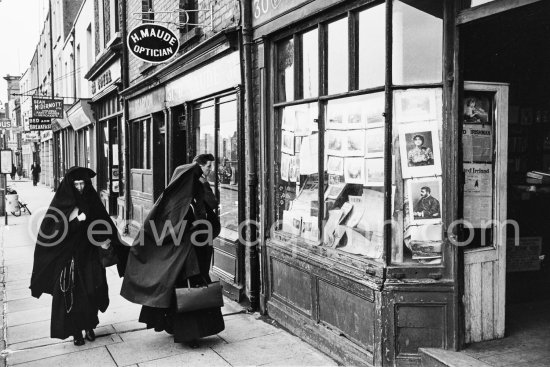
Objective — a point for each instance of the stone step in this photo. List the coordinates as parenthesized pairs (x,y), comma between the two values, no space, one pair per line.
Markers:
(434,357)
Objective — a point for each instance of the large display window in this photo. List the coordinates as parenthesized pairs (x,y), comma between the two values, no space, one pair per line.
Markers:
(337,115)
(215,122)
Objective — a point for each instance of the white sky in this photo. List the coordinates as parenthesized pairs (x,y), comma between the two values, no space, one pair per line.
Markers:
(21,22)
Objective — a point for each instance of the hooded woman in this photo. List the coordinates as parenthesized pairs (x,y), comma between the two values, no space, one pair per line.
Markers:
(75,237)
(173,247)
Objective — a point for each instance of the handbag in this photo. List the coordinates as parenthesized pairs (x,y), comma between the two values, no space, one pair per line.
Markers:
(199,298)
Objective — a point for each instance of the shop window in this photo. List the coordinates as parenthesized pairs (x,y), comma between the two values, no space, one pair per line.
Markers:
(103,156)
(338,56)
(216,133)
(416,182)
(285,70)
(297,189)
(310,63)
(417,42)
(372,47)
(141,142)
(331,167)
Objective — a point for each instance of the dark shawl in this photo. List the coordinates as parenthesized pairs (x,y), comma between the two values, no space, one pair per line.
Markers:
(153,267)
(54,246)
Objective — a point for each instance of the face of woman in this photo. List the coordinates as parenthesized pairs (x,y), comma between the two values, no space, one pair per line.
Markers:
(79,185)
(418,142)
(207,168)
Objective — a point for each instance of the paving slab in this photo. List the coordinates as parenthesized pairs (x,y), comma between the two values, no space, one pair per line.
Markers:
(302,360)
(40,353)
(193,358)
(262,350)
(91,357)
(243,326)
(29,316)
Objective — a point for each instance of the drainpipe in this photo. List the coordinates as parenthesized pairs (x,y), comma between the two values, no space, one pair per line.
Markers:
(252,176)
(125,84)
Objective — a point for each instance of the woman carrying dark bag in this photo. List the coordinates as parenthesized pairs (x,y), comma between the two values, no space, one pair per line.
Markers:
(162,261)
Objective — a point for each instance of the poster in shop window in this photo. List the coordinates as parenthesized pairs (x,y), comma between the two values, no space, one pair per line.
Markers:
(478,190)
(477,142)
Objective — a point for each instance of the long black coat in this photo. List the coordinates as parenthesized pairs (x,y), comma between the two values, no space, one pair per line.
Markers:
(158,257)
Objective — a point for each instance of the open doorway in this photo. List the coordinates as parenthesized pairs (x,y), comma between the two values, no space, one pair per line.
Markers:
(513,47)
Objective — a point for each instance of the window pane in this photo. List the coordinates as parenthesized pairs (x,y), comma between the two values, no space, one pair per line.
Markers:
(354,172)
(228,166)
(416,180)
(285,70)
(310,63)
(297,186)
(417,43)
(338,56)
(103,148)
(205,134)
(372,47)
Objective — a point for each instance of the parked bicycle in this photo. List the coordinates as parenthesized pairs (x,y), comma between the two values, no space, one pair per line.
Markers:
(21,207)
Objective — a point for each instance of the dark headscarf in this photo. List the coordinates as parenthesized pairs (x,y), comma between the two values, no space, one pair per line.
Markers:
(54,245)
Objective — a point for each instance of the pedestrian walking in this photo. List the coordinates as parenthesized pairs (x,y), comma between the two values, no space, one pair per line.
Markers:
(77,239)
(19,172)
(157,264)
(35,171)
(13,171)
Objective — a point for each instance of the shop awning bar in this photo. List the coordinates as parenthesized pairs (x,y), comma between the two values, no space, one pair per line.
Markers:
(489,9)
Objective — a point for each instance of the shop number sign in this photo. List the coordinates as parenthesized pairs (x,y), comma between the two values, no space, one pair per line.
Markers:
(264,10)
(153,43)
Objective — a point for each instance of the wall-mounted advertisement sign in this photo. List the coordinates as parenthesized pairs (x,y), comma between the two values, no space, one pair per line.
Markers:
(5,123)
(47,107)
(153,43)
(40,124)
(6,161)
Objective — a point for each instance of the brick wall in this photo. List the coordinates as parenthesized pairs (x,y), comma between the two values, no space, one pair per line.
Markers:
(226,14)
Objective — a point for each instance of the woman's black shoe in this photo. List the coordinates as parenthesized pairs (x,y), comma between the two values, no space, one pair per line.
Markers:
(90,335)
(78,340)
(193,344)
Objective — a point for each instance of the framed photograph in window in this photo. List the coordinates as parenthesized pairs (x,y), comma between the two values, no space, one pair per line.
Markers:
(354,170)
(420,152)
(354,116)
(355,143)
(287,142)
(336,116)
(336,141)
(374,142)
(374,110)
(477,107)
(335,166)
(415,105)
(374,171)
(424,200)
(285,166)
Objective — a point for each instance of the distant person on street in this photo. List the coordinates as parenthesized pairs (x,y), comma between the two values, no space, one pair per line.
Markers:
(13,172)
(159,264)
(19,172)
(69,259)
(35,171)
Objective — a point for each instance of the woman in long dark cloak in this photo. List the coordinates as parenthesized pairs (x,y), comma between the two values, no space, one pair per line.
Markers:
(67,262)
(156,266)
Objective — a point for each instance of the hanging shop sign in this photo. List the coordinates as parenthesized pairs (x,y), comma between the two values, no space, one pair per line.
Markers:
(6,160)
(153,43)
(40,124)
(47,107)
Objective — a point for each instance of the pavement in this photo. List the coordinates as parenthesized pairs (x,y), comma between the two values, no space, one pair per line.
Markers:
(248,339)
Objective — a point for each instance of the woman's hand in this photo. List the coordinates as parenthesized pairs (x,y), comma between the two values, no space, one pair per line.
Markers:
(82,217)
(73,214)
(106,245)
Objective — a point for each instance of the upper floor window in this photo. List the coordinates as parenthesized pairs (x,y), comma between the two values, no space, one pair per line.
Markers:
(188,18)
(147,11)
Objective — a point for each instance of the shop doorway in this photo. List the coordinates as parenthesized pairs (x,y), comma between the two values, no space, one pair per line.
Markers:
(508,50)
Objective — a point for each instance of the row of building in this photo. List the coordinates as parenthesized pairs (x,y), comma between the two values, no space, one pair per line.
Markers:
(303,104)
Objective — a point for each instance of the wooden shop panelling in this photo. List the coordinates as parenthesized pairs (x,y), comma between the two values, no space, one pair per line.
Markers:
(291,285)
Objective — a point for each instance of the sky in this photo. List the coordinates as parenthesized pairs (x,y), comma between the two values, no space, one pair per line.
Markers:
(21,22)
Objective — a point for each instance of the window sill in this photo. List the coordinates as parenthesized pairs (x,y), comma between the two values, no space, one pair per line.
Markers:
(189,36)
(328,258)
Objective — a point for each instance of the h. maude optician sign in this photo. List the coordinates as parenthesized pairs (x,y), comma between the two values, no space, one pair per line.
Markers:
(47,107)
(153,43)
